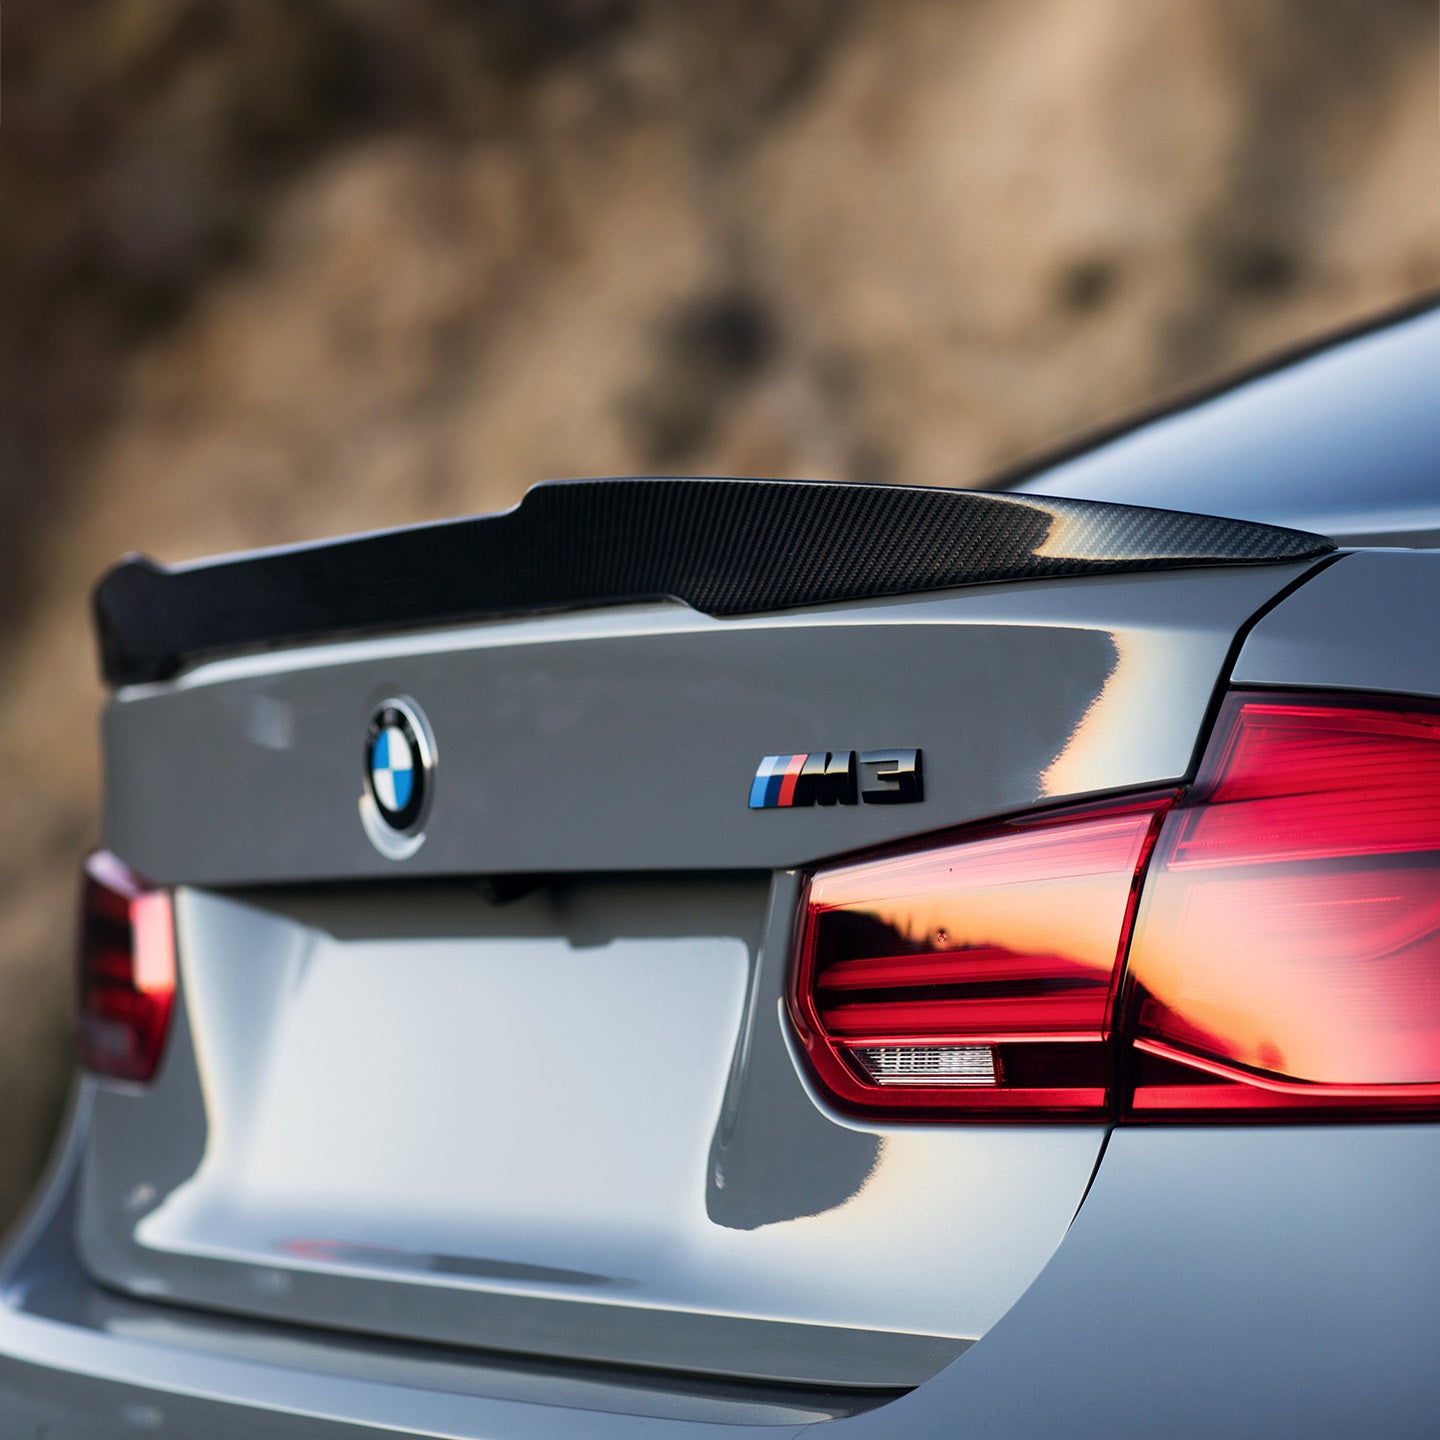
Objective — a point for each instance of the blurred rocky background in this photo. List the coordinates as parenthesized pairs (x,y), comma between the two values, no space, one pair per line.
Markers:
(271,271)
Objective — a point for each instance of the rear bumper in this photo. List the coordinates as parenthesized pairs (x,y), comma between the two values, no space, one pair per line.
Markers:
(79,1360)
(58,1381)
(1241,1281)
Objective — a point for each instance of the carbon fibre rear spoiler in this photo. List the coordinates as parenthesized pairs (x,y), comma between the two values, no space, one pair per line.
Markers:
(724,547)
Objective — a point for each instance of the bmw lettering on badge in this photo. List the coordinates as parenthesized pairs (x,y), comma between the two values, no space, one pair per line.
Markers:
(399,775)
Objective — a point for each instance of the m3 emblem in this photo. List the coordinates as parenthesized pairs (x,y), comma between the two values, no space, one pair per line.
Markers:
(837,777)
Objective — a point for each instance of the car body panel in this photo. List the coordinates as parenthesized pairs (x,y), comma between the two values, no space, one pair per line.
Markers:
(1328,634)
(1242,1280)
(573,1171)
(609,1151)
(627,740)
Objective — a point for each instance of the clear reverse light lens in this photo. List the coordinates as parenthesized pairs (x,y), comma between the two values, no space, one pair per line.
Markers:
(928,1064)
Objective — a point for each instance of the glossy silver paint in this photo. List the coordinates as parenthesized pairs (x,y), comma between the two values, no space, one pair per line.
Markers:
(1218,1281)
(588,1162)
(1248,1282)
(627,739)
(80,1363)
(1327,635)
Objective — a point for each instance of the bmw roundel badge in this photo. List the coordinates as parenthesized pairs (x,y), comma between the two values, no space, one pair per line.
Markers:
(399,771)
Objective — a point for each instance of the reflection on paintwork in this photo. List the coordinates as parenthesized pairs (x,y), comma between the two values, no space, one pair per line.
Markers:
(920,944)
(612,1184)
(510,1040)
(403,1259)
(995,678)
(1130,712)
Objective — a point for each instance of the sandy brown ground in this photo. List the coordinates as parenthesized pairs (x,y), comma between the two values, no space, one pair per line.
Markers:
(271,272)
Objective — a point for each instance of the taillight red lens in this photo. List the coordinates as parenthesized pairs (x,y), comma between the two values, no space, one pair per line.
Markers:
(1287,953)
(127,971)
(976,978)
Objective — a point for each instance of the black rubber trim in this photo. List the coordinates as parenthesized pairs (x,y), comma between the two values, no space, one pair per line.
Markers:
(725,547)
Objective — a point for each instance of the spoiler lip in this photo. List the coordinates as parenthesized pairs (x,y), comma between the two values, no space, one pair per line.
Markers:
(725,547)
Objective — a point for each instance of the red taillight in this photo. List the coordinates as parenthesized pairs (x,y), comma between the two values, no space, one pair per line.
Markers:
(127,971)
(1285,957)
(977,978)
(1287,953)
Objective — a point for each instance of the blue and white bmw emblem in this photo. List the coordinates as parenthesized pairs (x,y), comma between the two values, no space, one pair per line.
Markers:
(399,766)
(393,763)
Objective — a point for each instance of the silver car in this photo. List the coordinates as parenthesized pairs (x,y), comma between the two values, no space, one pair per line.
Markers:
(495,1024)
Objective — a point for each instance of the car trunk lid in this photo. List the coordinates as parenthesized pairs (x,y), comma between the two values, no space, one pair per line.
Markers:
(532,1088)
